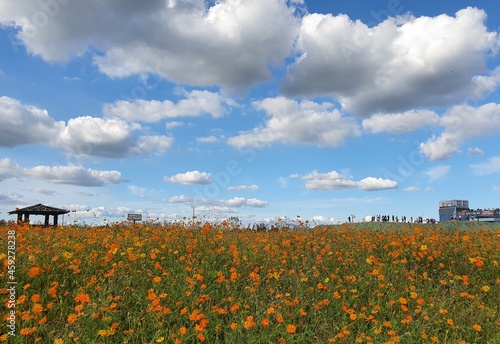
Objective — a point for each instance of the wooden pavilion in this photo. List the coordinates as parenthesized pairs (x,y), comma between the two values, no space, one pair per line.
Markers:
(39,209)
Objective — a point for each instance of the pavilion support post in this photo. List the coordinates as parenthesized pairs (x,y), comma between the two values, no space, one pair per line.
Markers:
(19,218)
(46,220)
(27,218)
(56,217)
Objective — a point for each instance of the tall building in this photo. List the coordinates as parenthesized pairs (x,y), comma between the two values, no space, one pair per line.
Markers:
(449,210)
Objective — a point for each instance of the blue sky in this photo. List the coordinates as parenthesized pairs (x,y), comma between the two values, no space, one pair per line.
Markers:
(256,109)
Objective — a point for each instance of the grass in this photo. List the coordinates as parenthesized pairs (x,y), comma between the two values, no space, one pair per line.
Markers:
(356,283)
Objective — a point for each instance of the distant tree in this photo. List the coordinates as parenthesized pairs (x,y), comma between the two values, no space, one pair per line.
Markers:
(3,222)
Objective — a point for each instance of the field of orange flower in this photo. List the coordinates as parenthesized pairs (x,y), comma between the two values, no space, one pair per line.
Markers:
(207,283)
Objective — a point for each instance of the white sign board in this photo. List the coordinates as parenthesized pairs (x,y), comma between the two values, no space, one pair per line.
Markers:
(134,217)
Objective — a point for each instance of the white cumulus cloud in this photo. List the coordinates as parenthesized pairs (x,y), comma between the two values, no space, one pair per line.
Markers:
(400,64)
(401,122)
(197,103)
(336,181)
(190,177)
(242,187)
(306,122)
(22,124)
(460,123)
(231,42)
(72,175)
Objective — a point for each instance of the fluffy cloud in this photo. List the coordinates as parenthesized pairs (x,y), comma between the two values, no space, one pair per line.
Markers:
(411,189)
(190,177)
(475,151)
(207,139)
(438,172)
(336,181)
(148,144)
(211,204)
(489,167)
(25,124)
(401,122)
(72,175)
(197,103)
(242,187)
(399,64)
(460,123)
(306,122)
(10,198)
(194,42)
(97,136)
(108,137)
(255,203)
(8,169)
(374,184)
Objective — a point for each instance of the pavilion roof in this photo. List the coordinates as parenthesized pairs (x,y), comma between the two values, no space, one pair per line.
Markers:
(40,209)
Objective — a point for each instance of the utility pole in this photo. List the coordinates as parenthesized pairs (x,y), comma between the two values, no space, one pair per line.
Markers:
(193,206)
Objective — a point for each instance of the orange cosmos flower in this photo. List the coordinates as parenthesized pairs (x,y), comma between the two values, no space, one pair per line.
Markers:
(33,272)
(291,328)
(249,322)
(82,297)
(72,318)
(202,325)
(37,308)
(27,331)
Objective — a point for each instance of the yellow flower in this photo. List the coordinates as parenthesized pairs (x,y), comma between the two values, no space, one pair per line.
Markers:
(161,339)
(58,341)
(485,288)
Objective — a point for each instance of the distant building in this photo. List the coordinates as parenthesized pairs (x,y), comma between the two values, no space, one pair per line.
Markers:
(459,210)
(489,215)
(448,210)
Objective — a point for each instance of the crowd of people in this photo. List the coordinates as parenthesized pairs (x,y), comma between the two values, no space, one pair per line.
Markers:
(393,218)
